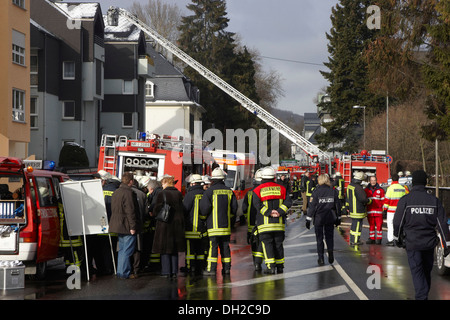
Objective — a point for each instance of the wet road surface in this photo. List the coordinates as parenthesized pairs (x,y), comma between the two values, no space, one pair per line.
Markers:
(367,272)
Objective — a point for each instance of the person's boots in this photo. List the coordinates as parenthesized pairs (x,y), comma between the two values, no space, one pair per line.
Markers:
(330,257)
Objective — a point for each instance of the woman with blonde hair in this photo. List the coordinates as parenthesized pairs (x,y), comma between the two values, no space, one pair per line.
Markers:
(324,210)
(169,236)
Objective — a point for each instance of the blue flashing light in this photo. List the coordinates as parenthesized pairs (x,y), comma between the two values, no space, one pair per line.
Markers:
(49,165)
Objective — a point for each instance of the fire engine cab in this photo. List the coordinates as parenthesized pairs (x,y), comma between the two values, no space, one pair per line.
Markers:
(153,156)
(29,218)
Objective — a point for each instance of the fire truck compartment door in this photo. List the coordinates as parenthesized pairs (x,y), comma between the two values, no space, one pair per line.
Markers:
(49,228)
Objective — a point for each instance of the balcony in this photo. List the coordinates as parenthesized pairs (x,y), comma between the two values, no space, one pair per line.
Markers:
(146,66)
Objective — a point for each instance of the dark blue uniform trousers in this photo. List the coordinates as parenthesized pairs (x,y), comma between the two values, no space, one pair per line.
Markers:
(421,264)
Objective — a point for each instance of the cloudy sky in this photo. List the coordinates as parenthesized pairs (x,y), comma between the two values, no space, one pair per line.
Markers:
(286,30)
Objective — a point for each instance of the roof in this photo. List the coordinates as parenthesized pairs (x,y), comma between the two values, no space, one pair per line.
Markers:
(170,89)
(77,10)
(125,31)
(163,67)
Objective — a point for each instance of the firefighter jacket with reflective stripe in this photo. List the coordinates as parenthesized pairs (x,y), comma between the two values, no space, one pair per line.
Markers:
(393,194)
(108,190)
(324,206)
(356,200)
(376,194)
(195,223)
(66,241)
(249,210)
(418,215)
(310,186)
(267,197)
(219,205)
(339,185)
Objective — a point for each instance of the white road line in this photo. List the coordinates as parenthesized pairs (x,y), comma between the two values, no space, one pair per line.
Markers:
(349,281)
(320,294)
(279,276)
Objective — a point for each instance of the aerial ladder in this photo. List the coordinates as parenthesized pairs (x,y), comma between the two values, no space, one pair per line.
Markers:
(311,150)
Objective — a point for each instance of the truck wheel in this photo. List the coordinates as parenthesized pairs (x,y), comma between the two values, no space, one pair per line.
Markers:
(440,261)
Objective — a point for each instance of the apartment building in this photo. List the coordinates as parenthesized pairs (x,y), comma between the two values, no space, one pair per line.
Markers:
(15,78)
(67,88)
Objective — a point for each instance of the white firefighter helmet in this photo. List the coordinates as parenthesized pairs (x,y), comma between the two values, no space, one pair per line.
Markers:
(218,174)
(268,173)
(196,178)
(360,175)
(258,177)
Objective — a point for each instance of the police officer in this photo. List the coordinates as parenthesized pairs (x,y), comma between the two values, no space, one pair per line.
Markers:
(195,225)
(356,201)
(272,204)
(416,219)
(325,211)
(250,214)
(219,205)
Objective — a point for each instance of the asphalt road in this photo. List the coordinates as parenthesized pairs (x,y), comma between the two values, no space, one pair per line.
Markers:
(367,272)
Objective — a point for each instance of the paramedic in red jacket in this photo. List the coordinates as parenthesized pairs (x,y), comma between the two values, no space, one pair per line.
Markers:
(375,210)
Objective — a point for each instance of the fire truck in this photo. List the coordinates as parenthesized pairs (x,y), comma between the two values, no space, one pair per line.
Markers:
(375,162)
(153,156)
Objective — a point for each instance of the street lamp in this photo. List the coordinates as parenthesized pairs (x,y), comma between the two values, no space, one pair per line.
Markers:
(364,121)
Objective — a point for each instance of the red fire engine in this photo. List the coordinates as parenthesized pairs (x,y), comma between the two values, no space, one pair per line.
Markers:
(375,162)
(153,156)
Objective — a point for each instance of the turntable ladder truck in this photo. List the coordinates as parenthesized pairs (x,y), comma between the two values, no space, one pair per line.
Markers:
(311,150)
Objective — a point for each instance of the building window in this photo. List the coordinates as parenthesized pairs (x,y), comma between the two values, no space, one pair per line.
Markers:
(34,68)
(19,3)
(127,87)
(34,113)
(149,90)
(127,120)
(68,110)
(18,54)
(18,107)
(68,70)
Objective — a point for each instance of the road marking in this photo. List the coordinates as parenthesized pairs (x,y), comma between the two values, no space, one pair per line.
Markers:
(319,294)
(279,276)
(349,281)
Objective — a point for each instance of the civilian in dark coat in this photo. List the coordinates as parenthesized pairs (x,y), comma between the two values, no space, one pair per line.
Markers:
(169,237)
(124,223)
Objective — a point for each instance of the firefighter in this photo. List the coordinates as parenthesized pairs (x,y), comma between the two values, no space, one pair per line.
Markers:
(219,205)
(250,214)
(393,194)
(339,185)
(356,201)
(272,204)
(303,182)
(295,189)
(417,217)
(195,226)
(375,210)
(325,212)
(310,186)
(72,247)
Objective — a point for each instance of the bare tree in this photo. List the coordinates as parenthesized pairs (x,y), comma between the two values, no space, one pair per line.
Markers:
(162,17)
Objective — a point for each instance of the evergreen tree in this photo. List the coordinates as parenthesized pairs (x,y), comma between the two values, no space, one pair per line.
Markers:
(437,75)
(347,76)
(204,37)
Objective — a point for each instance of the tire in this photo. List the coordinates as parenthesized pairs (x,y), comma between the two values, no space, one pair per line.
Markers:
(440,261)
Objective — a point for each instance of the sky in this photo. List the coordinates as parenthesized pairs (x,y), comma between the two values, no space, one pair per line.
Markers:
(285,30)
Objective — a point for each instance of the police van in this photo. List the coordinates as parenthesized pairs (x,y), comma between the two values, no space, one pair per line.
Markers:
(29,218)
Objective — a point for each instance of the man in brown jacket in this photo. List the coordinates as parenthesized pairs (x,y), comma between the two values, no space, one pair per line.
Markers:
(124,223)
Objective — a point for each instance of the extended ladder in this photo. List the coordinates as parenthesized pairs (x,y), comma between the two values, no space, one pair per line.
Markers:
(269,119)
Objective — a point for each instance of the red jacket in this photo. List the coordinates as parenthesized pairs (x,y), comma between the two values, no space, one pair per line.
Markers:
(376,194)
